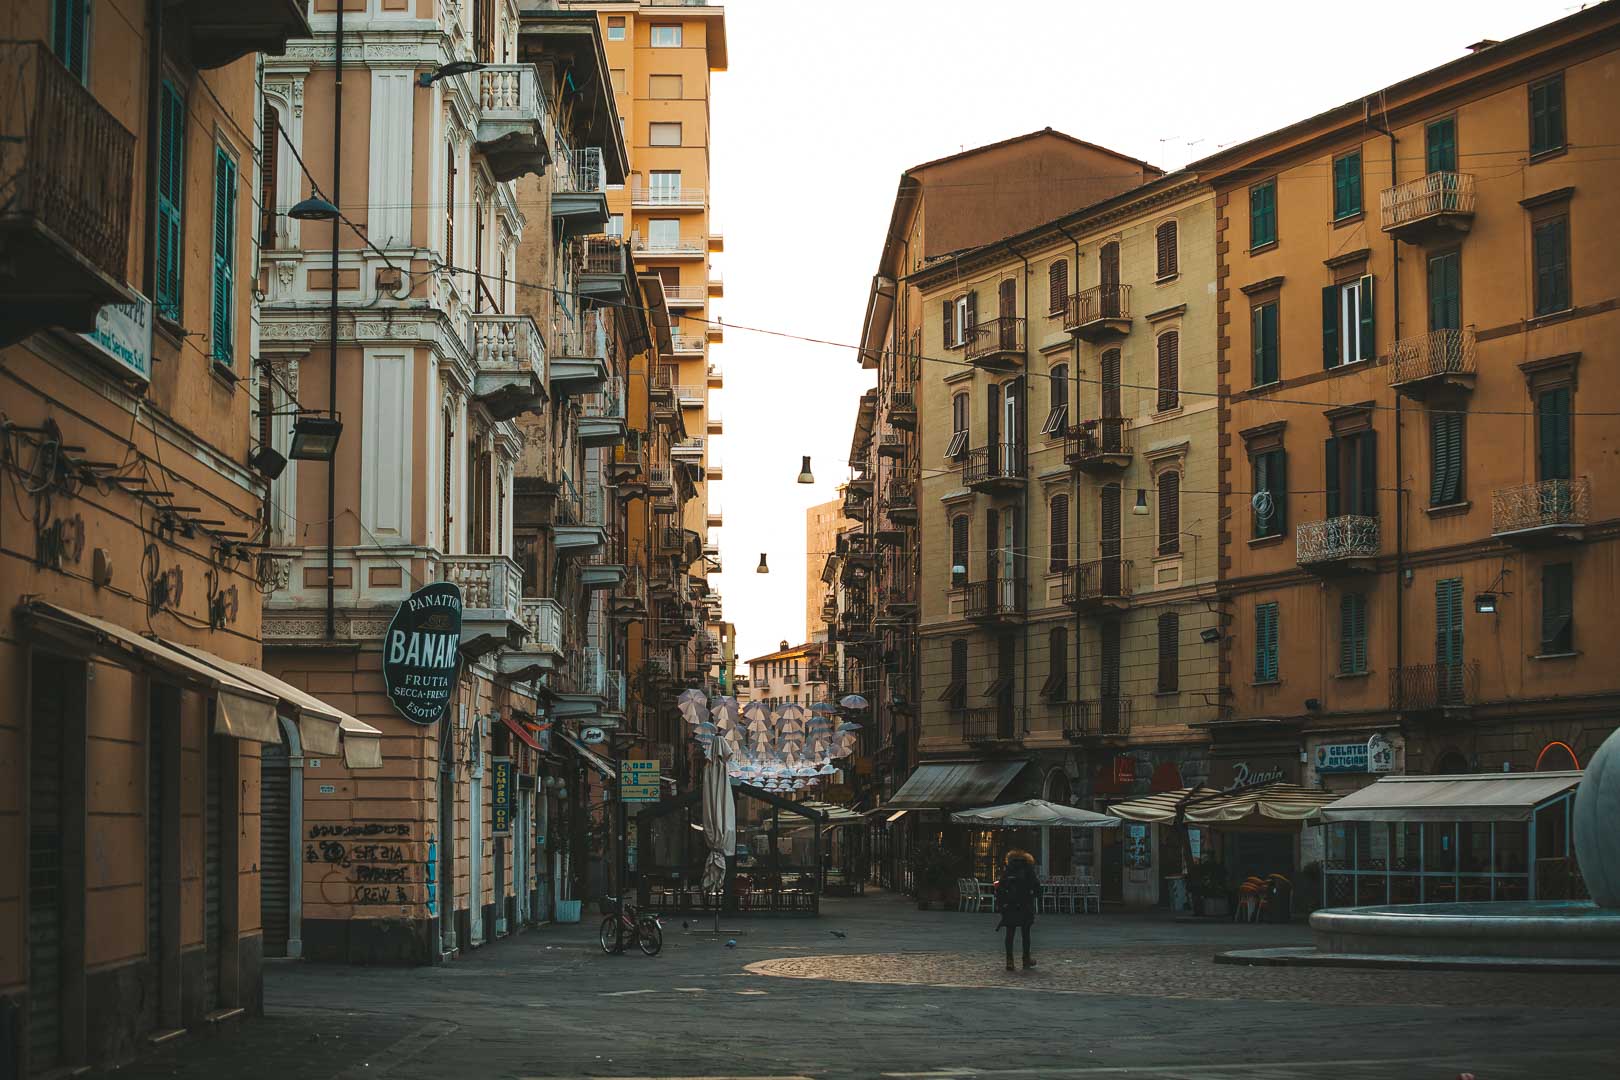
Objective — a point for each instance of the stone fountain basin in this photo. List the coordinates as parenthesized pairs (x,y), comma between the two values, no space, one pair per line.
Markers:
(1544,929)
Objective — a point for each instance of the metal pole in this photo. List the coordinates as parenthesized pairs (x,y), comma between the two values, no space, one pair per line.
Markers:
(332,331)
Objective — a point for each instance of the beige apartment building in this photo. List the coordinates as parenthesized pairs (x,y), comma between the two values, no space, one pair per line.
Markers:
(822,525)
(788,676)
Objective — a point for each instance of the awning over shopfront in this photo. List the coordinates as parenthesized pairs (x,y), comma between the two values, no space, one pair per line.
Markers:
(586,754)
(324,730)
(836,814)
(242,710)
(1482,797)
(944,784)
(1206,806)
(519,732)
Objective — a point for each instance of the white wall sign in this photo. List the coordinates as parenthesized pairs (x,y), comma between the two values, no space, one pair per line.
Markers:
(123,334)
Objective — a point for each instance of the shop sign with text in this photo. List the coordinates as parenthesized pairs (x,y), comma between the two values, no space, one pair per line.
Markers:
(500,796)
(638,780)
(1376,755)
(421,652)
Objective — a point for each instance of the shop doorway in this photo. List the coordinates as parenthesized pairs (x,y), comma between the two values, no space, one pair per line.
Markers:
(214,877)
(446,862)
(1113,865)
(1059,854)
(55,864)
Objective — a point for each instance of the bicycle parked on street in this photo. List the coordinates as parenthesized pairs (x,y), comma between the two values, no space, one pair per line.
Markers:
(619,932)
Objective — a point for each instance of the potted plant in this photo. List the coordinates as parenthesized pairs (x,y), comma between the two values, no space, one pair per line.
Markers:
(932,868)
(1210,889)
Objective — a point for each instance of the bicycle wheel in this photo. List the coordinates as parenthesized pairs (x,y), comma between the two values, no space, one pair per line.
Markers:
(649,937)
(609,935)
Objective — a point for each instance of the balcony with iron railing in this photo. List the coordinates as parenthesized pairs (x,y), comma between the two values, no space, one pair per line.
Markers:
(578,189)
(903,410)
(666,196)
(670,247)
(542,647)
(1444,686)
(902,503)
(1098,585)
(1348,543)
(999,465)
(996,343)
(685,296)
(1438,363)
(629,601)
(691,395)
(892,444)
(509,364)
(1002,723)
(1438,207)
(217,33)
(1099,445)
(604,566)
(602,267)
(511,120)
(491,600)
(1102,311)
(1101,717)
(999,599)
(579,518)
(67,169)
(688,449)
(602,415)
(686,344)
(579,354)
(1547,511)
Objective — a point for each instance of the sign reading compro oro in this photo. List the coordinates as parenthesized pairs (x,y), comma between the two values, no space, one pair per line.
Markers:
(421,651)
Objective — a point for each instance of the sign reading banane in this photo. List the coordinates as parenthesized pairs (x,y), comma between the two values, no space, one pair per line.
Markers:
(421,652)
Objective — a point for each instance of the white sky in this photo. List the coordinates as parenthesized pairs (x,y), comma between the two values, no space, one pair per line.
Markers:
(824,106)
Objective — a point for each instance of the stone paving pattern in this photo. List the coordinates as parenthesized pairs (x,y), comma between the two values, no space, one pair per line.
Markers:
(907,995)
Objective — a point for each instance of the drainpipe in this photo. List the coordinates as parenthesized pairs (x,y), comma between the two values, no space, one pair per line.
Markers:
(332,330)
(154,83)
(1400,493)
(1074,483)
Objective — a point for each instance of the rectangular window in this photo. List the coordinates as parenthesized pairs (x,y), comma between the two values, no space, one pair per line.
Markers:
(1347,322)
(1446,439)
(70,35)
(1553,446)
(666,185)
(615,226)
(1448,637)
(222,323)
(1169,347)
(615,27)
(1353,634)
(1445,291)
(170,200)
(664,133)
(1347,185)
(1057,419)
(1557,608)
(1352,475)
(1550,249)
(959,549)
(620,85)
(1263,214)
(1269,502)
(1058,531)
(1169,513)
(1440,146)
(664,87)
(666,37)
(664,234)
(1547,115)
(1263,330)
(1169,653)
(959,428)
(1265,642)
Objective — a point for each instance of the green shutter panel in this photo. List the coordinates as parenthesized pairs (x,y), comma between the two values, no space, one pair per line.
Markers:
(1367,488)
(171,174)
(1437,459)
(947,315)
(1445,294)
(1257,335)
(1455,436)
(1330,474)
(223,321)
(1368,338)
(1271,643)
(1330,326)
(1361,632)
(1254,217)
(1553,457)
(68,35)
(1440,140)
(1347,634)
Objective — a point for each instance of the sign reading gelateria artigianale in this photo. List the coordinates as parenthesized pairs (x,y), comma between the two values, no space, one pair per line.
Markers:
(421,652)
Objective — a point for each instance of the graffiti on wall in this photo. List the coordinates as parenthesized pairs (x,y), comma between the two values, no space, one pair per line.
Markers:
(375,870)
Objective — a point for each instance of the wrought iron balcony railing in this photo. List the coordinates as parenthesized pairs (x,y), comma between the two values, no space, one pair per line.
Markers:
(1446,355)
(1098,444)
(1099,310)
(998,723)
(1347,538)
(998,463)
(996,598)
(1109,714)
(666,195)
(1428,199)
(1435,686)
(998,342)
(579,170)
(601,255)
(1098,583)
(1545,506)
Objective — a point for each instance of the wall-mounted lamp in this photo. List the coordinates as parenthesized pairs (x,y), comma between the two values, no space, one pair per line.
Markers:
(1485,603)
(762,569)
(315,438)
(1141,507)
(268,461)
(805,475)
(455,67)
(1313,704)
(1209,635)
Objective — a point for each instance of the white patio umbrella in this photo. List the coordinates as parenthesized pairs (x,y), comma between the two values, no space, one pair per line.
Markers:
(1034,813)
(719,816)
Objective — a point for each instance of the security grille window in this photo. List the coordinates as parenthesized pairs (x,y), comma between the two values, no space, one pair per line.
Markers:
(1446,440)
(665,37)
(1169,370)
(1263,331)
(1557,609)
(1269,501)
(1057,287)
(1549,245)
(1170,513)
(1347,186)
(959,549)
(1059,533)
(1353,634)
(1547,115)
(1057,418)
(1347,322)
(1056,686)
(1169,653)
(1265,642)
(1263,214)
(959,428)
(955,695)
(1168,259)
(1352,474)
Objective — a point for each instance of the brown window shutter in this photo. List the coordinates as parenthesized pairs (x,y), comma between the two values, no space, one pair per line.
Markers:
(959,541)
(1060,533)
(1166,242)
(947,324)
(1008,299)
(1169,370)
(1169,513)
(1169,652)
(972,319)
(1057,286)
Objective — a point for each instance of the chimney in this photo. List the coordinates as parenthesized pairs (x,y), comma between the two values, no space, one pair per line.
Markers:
(1483,44)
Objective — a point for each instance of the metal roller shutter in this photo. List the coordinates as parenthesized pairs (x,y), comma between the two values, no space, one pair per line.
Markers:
(275,868)
(45,870)
(154,844)
(212,891)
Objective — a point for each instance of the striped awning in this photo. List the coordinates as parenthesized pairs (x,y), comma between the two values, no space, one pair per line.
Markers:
(1207,806)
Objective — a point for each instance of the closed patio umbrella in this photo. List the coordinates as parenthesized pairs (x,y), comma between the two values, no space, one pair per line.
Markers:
(719,816)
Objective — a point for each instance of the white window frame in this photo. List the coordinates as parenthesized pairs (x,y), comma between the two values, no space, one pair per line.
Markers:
(959,328)
(1349,322)
(673,31)
(617,33)
(615,225)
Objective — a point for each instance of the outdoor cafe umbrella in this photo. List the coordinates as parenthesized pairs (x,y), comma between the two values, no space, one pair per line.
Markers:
(1034,814)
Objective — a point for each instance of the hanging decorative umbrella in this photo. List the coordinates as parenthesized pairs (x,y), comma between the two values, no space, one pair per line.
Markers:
(852,701)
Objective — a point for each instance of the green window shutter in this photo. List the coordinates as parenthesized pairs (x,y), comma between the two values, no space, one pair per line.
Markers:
(1368,335)
(1330,474)
(70,37)
(1557,608)
(1445,292)
(1330,326)
(1446,434)
(1262,214)
(1279,490)
(1448,622)
(1367,474)
(1456,436)
(222,324)
(1263,329)
(1361,631)
(1552,434)
(1347,634)
(1265,642)
(1440,146)
(1547,116)
(1550,248)
(170,200)
(1347,185)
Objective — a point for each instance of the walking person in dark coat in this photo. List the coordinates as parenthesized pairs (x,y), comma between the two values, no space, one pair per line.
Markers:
(1017,896)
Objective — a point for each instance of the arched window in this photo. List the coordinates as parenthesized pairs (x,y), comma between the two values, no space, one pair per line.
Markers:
(1058,532)
(268,197)
(1165,241)
(1057,417)
(1169,513)
(1056,687)
(1169,370)
(1057,286)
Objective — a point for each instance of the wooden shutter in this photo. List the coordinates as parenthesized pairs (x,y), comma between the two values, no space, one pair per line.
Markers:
(1277,476)
(1057,664)
(971,322)
(1257,343)
(68,35)
(1446,439)
(1057,286)
(1169,513)
(1330,326)
(947,327)
(170,200)
(1352,633)
(1108,264)
(223,322)
(1169,652)
(1058,531)
(1165,243)
(1109,548)
(270,155)
(1265,642)
(1551,253)
(1007,299)
(1553,434)
(1330,474)
(1367,476)
(1015,439)
(1368,336)
(992,544)
(1109,640)
(1448,622)
(1445,293)
(1111,404)
(1169,370)
(959,541)
(1440,146)
(1557,608)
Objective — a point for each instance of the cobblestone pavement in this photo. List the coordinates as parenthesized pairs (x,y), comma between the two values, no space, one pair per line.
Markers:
(905,995)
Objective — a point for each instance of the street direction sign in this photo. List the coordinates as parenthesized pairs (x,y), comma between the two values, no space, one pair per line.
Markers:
(638,780)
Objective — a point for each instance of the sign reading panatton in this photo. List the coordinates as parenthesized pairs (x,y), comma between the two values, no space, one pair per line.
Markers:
(421,651)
